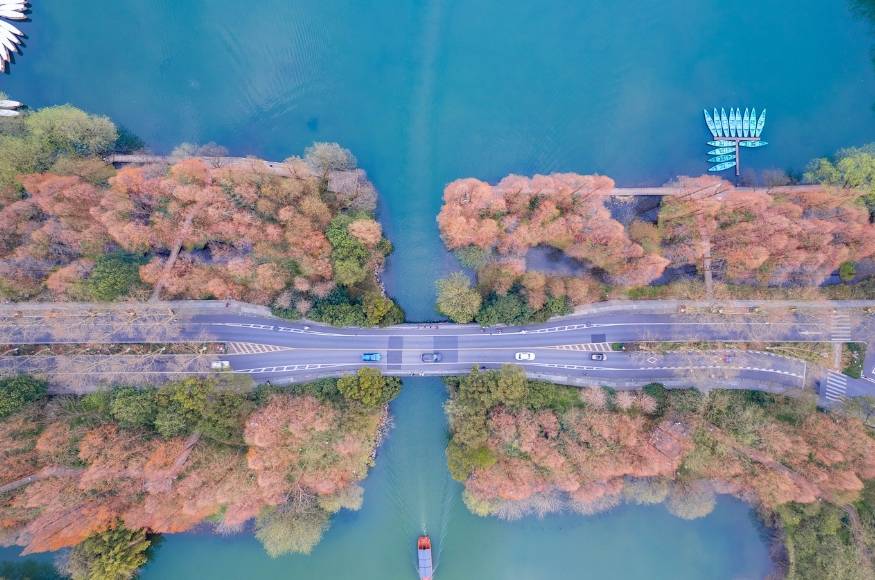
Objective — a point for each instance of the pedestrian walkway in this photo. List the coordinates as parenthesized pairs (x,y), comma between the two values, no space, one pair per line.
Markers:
(835,388)
(840,330)
(253,348)
(586,347)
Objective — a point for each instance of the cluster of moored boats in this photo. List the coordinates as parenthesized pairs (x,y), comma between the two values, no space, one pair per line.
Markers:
(732,131)
(10,36)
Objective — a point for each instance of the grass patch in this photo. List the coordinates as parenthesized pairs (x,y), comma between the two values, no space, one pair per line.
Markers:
(853,354)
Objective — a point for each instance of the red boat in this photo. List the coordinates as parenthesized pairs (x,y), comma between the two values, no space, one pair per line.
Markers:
(423,548)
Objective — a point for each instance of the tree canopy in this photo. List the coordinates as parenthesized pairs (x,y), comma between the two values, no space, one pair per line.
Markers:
(369,387)
(116,554)
(457,299)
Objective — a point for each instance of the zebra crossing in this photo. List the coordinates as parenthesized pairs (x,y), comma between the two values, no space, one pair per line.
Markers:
(840,329)
(835,388)
(253,348)
(586,347)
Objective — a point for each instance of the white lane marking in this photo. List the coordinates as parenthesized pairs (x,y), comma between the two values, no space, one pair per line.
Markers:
(840,330)
(836,387)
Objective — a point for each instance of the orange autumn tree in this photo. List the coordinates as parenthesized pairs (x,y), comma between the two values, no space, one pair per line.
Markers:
(73,473)
(565,211)
(797,236)
(241,231)
(524,447)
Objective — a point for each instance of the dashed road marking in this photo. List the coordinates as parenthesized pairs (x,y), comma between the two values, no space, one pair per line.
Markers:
(836,387)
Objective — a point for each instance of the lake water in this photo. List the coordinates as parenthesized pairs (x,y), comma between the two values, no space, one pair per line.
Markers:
(427,91)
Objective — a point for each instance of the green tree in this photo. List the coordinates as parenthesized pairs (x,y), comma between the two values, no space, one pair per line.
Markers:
(66,129)
(847,271)
(224,415)
(115,554)
(510,386)
(369,387)
(462,460)
(181,405)
(113,276)
(457,299)
(851,168)
(133,407)
(18,391)
(349,256)
(286,530)
(347,314)
(380,310)
(509,309)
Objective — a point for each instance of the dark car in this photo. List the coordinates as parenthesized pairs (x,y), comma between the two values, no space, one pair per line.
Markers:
(431,357)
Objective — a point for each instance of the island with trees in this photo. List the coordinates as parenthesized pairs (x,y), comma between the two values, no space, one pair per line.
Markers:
(104,473)
(524,447)
(767,242)
(302,239)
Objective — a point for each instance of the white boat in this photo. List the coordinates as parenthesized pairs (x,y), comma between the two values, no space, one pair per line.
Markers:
(752,123)
(7,104)
(8,113)
(724,121)
(732,124)
(761,123)
(10,36)
(710,122)
(745,123)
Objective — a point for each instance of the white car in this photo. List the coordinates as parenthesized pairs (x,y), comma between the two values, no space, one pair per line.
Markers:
(220,365)
(524,356)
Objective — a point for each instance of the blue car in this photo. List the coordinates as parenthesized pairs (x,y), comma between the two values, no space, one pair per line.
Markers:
(372,357)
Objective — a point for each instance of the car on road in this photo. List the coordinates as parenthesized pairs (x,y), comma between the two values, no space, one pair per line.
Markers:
(598,356)
(220,365)
(524,356)
(431,357)
(372,357)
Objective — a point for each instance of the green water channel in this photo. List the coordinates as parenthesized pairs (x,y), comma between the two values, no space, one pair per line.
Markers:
(427,91)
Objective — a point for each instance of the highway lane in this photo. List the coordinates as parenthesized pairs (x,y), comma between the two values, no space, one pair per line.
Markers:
(617,367)
(297,350)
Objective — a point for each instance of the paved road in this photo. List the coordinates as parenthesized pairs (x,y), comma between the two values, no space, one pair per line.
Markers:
(272,349)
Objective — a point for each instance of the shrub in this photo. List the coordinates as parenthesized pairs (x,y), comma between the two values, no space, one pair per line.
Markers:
(113,276)
(18,391)
(369,387)
(133,407)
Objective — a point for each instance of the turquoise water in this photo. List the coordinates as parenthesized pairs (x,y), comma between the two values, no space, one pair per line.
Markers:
(427,91)
(410,490)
